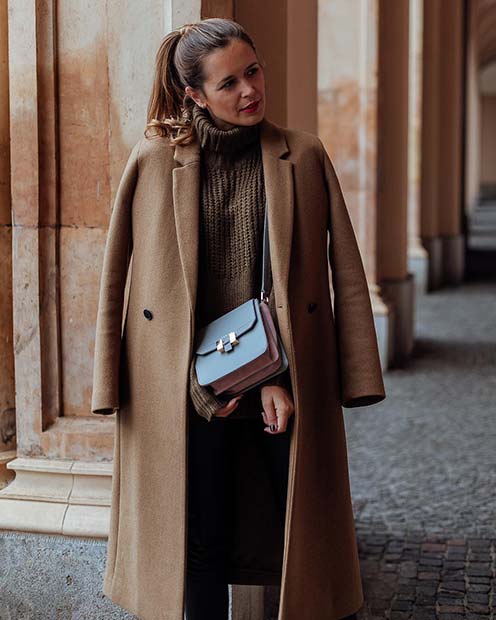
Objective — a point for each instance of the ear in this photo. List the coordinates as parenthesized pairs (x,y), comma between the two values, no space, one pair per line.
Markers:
(193,94)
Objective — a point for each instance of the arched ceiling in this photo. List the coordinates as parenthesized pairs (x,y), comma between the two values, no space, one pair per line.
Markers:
(485,24)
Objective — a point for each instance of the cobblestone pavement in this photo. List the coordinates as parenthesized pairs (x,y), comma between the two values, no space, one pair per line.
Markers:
(423,468)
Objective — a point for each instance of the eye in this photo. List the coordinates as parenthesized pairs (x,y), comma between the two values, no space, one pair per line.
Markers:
(227,84)
(255,69)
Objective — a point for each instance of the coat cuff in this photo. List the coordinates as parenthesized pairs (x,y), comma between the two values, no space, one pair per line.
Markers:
(206,403)
(363,401)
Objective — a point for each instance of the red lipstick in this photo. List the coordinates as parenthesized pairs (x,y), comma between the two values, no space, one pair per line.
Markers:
(252,107)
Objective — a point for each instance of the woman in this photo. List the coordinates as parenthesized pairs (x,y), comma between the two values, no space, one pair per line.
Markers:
(208,491)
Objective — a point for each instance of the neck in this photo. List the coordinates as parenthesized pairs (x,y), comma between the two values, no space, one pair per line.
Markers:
(224,141)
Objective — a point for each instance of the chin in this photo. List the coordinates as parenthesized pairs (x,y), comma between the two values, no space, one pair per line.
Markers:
(251,119)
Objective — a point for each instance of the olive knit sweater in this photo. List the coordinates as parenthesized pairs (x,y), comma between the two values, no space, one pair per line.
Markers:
(230,243)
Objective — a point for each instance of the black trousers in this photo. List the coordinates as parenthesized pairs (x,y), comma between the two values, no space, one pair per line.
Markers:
(210,515)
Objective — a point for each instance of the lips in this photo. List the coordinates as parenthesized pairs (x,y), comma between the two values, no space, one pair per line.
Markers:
(251,105)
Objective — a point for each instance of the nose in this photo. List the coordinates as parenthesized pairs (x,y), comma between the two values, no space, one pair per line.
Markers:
(247,89)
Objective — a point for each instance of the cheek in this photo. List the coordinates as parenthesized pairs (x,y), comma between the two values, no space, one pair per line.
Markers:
(222,102)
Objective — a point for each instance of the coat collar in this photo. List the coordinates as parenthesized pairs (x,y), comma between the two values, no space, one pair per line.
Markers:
(278,180)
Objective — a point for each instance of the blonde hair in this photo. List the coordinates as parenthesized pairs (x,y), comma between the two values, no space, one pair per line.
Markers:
(179,63)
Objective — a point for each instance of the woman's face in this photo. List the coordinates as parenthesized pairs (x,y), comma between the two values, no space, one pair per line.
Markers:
(233,79)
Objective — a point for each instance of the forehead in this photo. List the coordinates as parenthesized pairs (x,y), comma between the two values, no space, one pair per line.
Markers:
(228,60)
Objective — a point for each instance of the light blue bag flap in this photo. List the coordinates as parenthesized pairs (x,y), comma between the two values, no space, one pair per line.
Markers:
(246,321)
(239,320)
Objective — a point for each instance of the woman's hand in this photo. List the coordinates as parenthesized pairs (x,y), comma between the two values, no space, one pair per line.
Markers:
(278,408)
(228,408)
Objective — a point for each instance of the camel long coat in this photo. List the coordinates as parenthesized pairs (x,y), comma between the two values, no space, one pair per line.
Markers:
(141,370)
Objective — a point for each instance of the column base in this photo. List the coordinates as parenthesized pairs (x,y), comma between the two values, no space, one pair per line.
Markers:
(433,247)
(401,295)
(418,265)
(6,476)
(453,259)
(383,322)
(57,497)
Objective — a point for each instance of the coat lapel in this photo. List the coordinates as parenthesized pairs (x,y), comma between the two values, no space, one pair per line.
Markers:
(186,197)
(279,190)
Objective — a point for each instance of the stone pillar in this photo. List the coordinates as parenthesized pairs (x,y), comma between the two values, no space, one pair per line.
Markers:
(7,395)
(442,141)
(285,33)
(49,492)
(396,283)
(70,140)
(473,128)
(450,144)
(430,136)
(418,260)
(348,90)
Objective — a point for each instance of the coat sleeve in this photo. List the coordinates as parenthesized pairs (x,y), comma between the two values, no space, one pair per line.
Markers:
(116,258)
(358,355)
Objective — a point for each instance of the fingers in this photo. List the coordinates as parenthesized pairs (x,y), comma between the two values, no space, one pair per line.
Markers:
(228,408)
(278,407)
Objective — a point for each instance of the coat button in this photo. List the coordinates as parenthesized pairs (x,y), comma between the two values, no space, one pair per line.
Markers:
(148,314)
(312,306)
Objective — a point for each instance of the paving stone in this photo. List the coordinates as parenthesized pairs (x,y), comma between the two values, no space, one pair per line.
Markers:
(430,561)
(483,609)
(482,599)
(451,609)
(424,614)
(478,587)
(398,605)
(473,579)
(458,586)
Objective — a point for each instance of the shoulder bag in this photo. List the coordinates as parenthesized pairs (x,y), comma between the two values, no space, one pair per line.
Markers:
(242,348)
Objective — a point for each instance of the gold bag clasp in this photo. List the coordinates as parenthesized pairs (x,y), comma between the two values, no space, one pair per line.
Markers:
(227,342)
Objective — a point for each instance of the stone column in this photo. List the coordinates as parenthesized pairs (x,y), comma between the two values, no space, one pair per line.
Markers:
(418,259)
(442,129)
(7,395)
(348,91)
(54,490)
(70,140)
(285,34)
(396,282)
(473,128)
(429,217)
(450,144)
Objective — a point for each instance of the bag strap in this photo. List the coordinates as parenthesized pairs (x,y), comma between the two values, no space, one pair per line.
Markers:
(265,258)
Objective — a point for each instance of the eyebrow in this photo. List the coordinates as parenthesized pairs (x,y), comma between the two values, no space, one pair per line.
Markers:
(231,76)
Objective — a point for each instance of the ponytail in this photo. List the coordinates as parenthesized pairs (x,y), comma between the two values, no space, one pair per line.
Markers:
(169,108)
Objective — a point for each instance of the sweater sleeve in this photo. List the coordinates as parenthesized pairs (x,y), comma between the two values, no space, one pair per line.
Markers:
(204,400)
(282,379)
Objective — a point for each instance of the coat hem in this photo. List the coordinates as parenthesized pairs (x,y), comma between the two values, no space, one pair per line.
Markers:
(353,610)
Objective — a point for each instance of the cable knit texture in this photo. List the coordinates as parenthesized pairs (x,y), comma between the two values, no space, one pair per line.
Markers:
(230,231)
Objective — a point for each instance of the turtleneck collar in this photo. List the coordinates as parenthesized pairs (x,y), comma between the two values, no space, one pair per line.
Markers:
(224,141)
